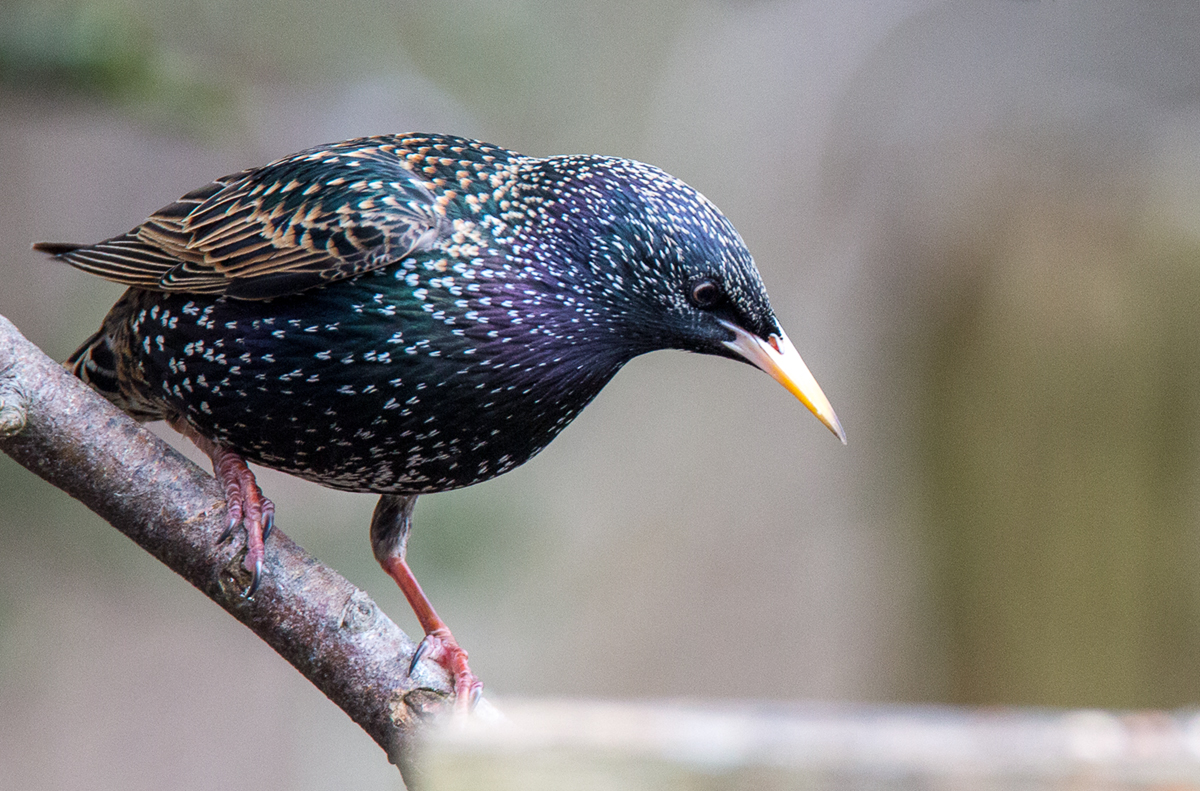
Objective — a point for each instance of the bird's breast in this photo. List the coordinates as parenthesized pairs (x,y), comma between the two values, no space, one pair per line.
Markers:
(378,384)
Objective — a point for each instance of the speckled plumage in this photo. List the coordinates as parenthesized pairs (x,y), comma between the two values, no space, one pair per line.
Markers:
(411,314)
(479,325)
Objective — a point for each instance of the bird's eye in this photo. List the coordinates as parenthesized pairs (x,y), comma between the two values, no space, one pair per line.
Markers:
(705,293)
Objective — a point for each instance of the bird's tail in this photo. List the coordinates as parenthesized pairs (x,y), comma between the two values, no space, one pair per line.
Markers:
(57,248)
(96,365)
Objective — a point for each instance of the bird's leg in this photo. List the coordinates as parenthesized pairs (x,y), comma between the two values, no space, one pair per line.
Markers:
(389,540)
(244,500)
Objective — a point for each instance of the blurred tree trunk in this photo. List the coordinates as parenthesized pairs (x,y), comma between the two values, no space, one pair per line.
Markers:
(1062,449)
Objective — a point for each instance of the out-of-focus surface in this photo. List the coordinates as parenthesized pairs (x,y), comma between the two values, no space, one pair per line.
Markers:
(980,223)
(546,745)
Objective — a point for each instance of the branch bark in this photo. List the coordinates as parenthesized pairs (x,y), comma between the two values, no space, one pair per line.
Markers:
(328,629)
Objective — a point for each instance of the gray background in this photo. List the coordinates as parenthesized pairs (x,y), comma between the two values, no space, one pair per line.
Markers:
(979,222)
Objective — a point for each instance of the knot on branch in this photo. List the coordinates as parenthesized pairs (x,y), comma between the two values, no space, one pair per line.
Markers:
(360,612)
(14,404)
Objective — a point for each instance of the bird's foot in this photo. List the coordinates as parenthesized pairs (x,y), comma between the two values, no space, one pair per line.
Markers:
(389,536)
(246,505)
(440,646)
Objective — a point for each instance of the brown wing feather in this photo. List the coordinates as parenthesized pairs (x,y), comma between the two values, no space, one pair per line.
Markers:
(317,216)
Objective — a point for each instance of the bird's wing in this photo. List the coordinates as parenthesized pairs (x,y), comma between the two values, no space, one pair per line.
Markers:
(314,217)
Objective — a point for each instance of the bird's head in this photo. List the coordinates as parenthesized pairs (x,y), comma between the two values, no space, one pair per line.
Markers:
(670,271)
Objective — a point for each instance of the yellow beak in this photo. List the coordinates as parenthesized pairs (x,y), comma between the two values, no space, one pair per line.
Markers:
(779,358)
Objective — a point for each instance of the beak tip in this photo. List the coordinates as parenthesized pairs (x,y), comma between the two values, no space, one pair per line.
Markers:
(835,426)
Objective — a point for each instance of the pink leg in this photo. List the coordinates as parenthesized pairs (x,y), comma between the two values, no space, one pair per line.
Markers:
(244,501)
(438,644)
(389,540)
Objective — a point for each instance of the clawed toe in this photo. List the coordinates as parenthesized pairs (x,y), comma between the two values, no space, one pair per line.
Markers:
(246,507)
(439,646)
(419,654)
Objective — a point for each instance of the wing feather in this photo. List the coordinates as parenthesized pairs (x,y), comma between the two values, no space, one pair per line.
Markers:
(318,216)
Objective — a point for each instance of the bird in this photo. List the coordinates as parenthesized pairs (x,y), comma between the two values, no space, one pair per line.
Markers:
(410,314)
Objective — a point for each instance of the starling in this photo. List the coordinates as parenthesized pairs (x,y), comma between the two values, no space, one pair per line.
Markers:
(405,314)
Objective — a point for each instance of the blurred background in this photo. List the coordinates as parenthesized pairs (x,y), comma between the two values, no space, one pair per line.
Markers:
(980,223)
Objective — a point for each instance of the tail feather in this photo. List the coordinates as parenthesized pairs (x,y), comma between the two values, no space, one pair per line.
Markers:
(123,259)
(56,248)
(95,364)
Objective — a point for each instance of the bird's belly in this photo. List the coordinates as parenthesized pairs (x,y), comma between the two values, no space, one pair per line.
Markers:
(353,404)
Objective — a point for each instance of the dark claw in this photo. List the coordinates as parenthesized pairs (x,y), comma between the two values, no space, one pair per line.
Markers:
(255,579)
(268,525)
(419,654)
(233,524)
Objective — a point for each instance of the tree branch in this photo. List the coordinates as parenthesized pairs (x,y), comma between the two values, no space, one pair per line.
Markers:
(331,631)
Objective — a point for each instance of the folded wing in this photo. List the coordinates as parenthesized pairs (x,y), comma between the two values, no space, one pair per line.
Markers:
(317,216)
